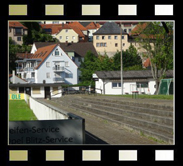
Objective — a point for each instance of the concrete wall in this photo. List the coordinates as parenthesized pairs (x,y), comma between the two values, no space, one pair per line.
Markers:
(43,112)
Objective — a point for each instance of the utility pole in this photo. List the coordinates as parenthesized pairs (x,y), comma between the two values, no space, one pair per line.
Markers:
(121,59)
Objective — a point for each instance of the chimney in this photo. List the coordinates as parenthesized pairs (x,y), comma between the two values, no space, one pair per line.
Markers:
(13,76)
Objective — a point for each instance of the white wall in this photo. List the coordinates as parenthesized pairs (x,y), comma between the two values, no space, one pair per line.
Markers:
(43,112)
(128,87)
(33,49)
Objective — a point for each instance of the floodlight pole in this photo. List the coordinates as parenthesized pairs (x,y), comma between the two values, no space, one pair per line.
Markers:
(121,60)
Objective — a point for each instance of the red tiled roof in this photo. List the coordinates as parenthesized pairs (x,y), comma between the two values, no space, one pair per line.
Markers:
(77,24)
(138,29)
(92,25)
(56,28)
(23,55)
(42,53)
(78,31)
(147,62)
(16,24)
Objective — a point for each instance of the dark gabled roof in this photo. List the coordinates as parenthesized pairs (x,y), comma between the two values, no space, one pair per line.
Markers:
(109,28)
(80,48)
(132,74)
(84,23)
(43,44)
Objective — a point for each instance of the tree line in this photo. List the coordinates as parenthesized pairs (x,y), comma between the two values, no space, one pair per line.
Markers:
(131,61)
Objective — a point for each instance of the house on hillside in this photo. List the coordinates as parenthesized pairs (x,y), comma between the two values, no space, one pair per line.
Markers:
(109,82)
(72,32)
(16,32)
(48,64)
(91,27)
(107,39)
(76,51)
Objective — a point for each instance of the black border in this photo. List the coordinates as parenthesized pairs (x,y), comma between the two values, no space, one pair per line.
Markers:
(73,154)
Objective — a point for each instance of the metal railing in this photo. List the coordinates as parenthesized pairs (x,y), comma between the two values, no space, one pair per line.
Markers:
(58,68)
(20,69)
(58,79)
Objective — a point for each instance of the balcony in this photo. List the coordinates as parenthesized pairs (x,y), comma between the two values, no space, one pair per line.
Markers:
(58,79)
(58,69)
(29,69)
(19,69)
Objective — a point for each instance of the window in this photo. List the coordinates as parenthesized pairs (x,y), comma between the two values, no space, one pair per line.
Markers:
(56,52)
(18,31)
(19,39)
(32,75)
(67,64)
(101,44)
(142,84)
(60,37)
(73,37)
(109,37)
(123,44)
(116,44)
(116,84)
(97,37)
(66,30)
(47,75)
(105,44)
(129,30)
(36,90)
(68,75)
(115,37)
(47,64)
(125,30)
(97,44)
(67,37)
(122,37)
(103,37)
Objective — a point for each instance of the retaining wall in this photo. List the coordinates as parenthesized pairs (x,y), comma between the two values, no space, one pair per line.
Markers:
(46,112)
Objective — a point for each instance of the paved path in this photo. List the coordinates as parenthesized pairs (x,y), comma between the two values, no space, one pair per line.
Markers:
(99,131)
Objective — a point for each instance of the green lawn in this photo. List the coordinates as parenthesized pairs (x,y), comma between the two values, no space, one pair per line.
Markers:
(167,97)
(19,110)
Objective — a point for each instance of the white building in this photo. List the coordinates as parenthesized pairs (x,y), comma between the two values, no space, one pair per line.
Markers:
(53,90)
(109,82)
(49,64)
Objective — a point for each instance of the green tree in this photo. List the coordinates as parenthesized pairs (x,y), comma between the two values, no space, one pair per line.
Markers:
(36,34)
(159,48)
(13,50)
(88,67)
(131,60)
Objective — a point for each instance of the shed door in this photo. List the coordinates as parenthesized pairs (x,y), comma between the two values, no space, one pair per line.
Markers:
(46,92)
